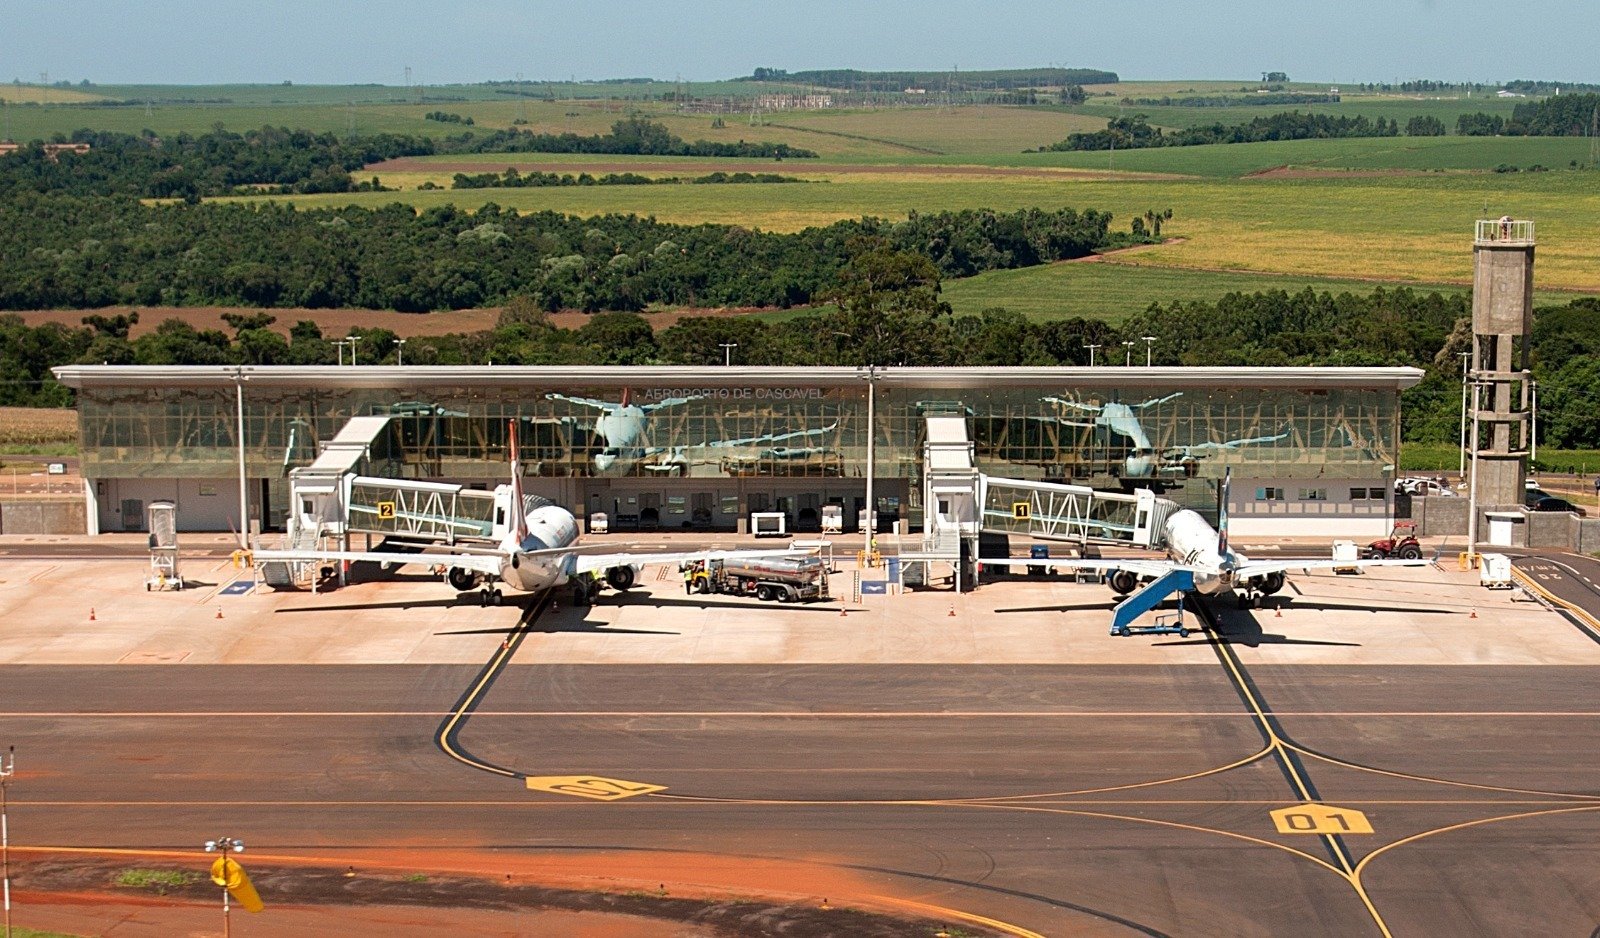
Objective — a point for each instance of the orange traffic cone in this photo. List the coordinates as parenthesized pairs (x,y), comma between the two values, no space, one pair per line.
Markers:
(219,612)
(1474,614)
(952,610)
(1279,613)
(843,612)
(91,613)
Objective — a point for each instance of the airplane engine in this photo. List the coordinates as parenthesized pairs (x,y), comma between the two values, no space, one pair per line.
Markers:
(620,578)
(1270,583)
(463,581)
(1123,581)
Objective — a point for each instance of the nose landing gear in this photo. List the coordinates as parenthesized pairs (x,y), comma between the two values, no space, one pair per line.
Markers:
(490,597)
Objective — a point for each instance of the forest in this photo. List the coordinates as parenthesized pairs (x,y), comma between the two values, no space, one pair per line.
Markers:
(1135,132)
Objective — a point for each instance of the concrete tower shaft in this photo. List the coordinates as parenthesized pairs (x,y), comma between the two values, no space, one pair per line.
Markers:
(1502,318)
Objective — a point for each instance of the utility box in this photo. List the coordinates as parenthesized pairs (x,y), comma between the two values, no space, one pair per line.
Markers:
(1494,571)
(832,519)
(1346,552)
(769,524)
(599,523)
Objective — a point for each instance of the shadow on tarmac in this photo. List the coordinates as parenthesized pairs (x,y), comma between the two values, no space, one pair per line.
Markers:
(1080,607)
(1249,633)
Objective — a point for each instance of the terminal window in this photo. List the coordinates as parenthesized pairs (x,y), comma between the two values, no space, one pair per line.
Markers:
(1269,494)
(1313,495)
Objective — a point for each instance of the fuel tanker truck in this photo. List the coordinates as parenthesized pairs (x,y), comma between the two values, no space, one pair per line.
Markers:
(784,579)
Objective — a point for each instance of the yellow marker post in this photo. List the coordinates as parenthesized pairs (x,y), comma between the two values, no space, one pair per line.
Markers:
(386,511)
(1021,511)
(591,786)
(1320,819)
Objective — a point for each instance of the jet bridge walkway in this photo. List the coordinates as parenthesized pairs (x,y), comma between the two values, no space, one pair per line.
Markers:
(1056,511)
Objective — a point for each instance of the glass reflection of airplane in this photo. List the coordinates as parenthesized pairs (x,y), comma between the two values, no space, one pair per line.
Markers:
(624,427)
(1145,460)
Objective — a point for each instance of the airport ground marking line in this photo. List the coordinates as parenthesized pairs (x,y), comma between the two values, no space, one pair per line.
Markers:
(1586,621)
(444,737)
(791,714)
(1334,843)
(1421,835)
(1264,751)
(1334,760)
(707,800)
(939,910)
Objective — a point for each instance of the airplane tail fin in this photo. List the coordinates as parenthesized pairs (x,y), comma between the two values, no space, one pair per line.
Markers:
(518,509)
(1222,513)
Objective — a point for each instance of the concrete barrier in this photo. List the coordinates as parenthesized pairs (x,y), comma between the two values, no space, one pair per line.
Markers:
(43,516)
(1558,529)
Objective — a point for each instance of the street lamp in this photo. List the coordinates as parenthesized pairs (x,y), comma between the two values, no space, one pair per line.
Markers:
(244,498)
(727,352)
(1149,342)
(1461,469)
(869,374)
(400,352)
(8,768)
(353,339)
(1091,349)
(1127,357)
(341,344)
(224,846)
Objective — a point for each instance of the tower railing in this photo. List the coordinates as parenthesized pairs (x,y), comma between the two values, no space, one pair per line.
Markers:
(1504,230)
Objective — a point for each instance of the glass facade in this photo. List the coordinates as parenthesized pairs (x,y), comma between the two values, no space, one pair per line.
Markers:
(700,424)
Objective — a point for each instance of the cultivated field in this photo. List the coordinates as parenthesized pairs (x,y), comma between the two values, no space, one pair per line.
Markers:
(23,427)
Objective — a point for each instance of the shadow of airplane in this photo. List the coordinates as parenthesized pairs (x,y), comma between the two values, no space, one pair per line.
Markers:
(709,602)
(1080,607)
(1250,634)
(463,599)
(597,628)
(1303,603)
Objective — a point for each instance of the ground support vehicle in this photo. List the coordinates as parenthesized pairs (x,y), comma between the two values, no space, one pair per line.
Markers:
(1401,543)
(781,579)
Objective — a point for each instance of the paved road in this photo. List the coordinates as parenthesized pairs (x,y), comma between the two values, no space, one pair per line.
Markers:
(1064,799)
(1571,581)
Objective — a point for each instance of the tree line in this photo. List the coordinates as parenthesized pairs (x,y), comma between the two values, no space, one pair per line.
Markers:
(511,179)
(1566,115)
(63,251)
(277,159)
(1136,132)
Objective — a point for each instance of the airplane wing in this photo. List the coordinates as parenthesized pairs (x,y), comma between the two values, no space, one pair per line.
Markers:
(770,437)
(478,561)
(668,402)
(585,563)
(1231,444)
(585,401)
(1159,400)
(1086,408)
(1254,568)
(1153,568)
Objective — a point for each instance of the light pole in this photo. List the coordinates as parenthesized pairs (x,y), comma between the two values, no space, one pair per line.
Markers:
(1472,487)
(400,352)
(727,352)
(224,845)
(870,376)
(1127,356)
(1461,470)
(1149,343)
(8,768)
(353,339)
(1091,349)
(244,497)
(340,343)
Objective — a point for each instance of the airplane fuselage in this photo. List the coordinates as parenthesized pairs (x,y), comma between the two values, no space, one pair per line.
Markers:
(549,527)
(1193,542)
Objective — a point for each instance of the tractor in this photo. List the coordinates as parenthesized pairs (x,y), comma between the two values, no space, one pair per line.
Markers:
(1401,543)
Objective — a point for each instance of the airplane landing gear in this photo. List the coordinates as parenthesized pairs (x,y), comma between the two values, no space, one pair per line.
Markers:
(490,597)
(582,594)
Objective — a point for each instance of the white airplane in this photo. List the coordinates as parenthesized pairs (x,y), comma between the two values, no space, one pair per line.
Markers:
(1194,546)
(538,552)
(624,427)
(1144,460)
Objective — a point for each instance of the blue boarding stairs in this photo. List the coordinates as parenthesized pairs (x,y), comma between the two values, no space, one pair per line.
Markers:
(1146,599)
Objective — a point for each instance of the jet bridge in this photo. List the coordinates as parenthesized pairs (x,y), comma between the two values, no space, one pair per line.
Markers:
(1056,511)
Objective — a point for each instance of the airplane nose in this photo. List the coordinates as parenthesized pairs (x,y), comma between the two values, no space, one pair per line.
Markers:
(603,461)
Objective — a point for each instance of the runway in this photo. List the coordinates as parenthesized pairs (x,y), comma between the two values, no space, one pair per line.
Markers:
(1060,799)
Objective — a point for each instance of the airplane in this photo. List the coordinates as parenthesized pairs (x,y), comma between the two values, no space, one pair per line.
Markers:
(538,552)
(1194,546)
(1145,460)
(623,427)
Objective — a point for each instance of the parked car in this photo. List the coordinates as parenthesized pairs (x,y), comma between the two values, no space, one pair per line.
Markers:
(1421,487)
(1551,503)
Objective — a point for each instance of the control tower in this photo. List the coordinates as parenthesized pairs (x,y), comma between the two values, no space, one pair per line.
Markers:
(1502,318)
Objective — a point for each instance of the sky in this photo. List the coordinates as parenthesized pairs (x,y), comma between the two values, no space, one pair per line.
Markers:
(340,42)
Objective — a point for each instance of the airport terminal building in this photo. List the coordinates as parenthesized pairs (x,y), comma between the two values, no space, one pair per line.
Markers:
(1311,450)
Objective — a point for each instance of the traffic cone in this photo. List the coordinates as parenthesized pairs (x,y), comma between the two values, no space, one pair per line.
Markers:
(1279,613)
(219,612)
(952,610)
(91,613)
(843,612)
(1474,614)
(825,906)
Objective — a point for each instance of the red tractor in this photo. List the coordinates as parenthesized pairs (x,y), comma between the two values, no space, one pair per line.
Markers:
(1401,543)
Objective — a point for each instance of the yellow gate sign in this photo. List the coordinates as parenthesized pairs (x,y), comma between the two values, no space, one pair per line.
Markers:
(1320,819)
(591,786)
(1020,511)
(386,511)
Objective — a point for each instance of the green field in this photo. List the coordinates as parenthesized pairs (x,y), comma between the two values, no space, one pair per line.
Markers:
(1401,109)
